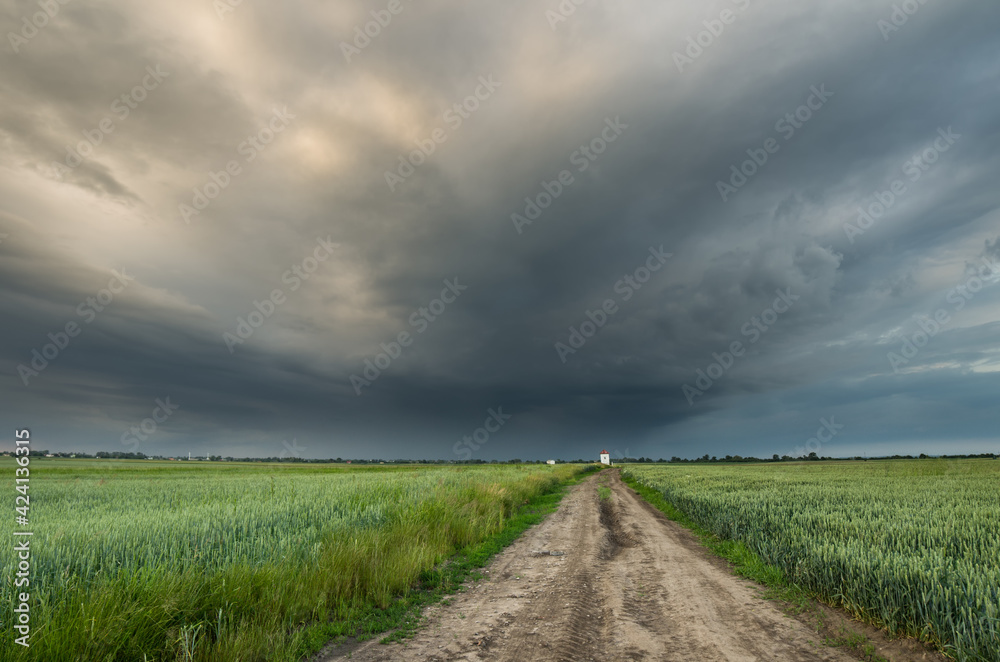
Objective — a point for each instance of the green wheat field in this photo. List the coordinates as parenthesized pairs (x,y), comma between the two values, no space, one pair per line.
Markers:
(911,545)
(177,561)
(145,560)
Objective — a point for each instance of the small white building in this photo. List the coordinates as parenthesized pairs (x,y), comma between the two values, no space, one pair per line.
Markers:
(606,458)
(550,462)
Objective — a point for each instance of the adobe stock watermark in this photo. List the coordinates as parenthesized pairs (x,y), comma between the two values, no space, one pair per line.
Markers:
(930,326)
(30,28)
(714,27)
(582,158)
(787,126)
(364,34)
(754,329)
(914,168)
(88,310)
(495,419)
(562,12)
(294,276)
(225,7)
(122,107)
(291,449)
(620,454)
(147,427)
(828,429)
(420,320)
(626,287)
(249,149)
(899,17)
(453,118)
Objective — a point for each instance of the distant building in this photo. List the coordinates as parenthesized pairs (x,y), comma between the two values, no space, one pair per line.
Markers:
(550,462)
(606,458)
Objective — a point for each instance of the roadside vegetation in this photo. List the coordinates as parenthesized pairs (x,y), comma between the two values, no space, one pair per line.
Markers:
(910,546)
(222,562)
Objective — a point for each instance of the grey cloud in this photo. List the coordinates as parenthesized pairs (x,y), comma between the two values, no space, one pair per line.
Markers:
(656,185)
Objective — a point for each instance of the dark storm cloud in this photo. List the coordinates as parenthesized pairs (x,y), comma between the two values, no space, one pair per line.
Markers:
(873,105)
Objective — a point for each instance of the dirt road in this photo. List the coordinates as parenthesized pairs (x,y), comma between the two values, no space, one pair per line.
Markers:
(631,586)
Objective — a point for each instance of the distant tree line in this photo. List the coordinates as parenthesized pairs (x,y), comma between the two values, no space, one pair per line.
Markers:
(812,457)
(704,459)
(120,455)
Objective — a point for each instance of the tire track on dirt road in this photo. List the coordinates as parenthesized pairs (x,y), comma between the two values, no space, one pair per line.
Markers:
(631,586)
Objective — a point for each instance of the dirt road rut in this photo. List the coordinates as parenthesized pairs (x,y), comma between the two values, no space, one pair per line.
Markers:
(631,586)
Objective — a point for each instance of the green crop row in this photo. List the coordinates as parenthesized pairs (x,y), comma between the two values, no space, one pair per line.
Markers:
(177,561)
(913,546)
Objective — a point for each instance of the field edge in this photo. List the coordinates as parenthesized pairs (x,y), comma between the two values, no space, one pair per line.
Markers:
(837,626)
(404,617)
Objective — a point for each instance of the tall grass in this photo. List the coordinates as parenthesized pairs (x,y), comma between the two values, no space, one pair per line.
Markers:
(141,561)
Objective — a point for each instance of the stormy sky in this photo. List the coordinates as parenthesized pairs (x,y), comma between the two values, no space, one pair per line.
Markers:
(457,230)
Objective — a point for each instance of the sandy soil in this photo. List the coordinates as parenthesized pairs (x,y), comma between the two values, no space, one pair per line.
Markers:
(630,585)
